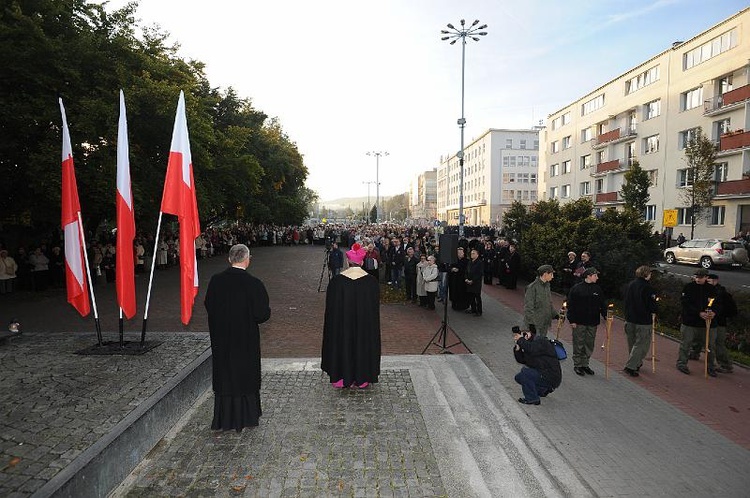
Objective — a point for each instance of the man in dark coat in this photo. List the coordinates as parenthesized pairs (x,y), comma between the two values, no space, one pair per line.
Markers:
(585,305)
(542,373)
(236,303)
(640,307)
(351,330)
(473,281)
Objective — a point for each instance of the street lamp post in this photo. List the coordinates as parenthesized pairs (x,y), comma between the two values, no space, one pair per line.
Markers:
(367,212)
(377,155)
(454,34)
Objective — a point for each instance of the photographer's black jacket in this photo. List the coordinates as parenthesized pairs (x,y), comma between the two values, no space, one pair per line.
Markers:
(539,354)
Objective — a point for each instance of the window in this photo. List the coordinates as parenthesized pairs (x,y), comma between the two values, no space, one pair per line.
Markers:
(691,99)
(684,178)
(586,161)
(554,170)
(586,134)
(585,188)
(653,175)
(509,177)
(645,78)
(601,156)
(721,127)
(532,196)
(556,123)
(565,191)
(555,146)
(652,109)
(721,172)
(710,49)
(523,178)
(565,118)
(566,167)
(717,215)
(599,185)
(566,142)
(536,144)
(725,84)
(649,213)
(687,136)
(651,144)
(508,143)
(523,143)
(684,216)
(553,192)
(592,105)
(532,178)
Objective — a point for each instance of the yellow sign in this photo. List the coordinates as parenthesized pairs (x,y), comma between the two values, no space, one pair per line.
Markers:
(670,218)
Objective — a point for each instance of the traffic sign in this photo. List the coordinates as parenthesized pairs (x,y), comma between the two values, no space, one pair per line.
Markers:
(670,218)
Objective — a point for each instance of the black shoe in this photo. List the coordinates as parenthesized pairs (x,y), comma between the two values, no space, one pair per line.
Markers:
(477,314)
(579,371)
(712,373)
(631,372)
(469,312)
(683,369)
(725,370)
(527,402)
(588,370)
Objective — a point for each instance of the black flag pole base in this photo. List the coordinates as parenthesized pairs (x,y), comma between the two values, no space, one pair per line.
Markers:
(440,338)
(128,348)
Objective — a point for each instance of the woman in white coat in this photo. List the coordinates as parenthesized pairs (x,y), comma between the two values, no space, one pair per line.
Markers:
(430,274)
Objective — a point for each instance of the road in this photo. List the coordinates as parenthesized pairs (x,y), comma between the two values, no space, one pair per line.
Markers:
(732,279)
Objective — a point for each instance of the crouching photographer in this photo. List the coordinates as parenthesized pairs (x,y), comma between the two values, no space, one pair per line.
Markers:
(542,373)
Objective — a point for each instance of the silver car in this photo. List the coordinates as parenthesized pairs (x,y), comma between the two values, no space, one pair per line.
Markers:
(708,252)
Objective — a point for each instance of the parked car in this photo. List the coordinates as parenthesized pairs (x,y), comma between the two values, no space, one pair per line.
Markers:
(708,253)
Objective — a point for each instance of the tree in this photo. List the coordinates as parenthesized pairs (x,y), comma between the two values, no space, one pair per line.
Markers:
(635,189)
(700,156)
(374,213)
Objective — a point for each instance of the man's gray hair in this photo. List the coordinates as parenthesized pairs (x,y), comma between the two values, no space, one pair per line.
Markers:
(238,253)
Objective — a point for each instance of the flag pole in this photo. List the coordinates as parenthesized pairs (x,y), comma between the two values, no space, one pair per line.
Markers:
(122,340)
(150,280)
(91,285)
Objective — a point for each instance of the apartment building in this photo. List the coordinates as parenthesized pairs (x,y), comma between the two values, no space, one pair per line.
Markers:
(499,167)
(648,114)
(423,196)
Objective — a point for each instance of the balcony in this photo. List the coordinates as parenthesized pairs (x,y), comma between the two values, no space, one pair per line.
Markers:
(606,167)
(734,187)
(606,197)
(615,136)
(738,139)
(608,137)
(726,102)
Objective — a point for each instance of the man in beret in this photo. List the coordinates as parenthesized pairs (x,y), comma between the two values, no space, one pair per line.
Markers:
(699,305)
(585,306)
(537,303)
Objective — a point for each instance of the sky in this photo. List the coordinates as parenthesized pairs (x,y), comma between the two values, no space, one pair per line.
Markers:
(347,77)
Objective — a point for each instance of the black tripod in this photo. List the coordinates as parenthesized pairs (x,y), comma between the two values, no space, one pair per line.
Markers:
(323,270)
(441,336)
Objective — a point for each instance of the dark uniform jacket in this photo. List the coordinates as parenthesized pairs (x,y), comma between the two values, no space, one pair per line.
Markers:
(640,302)
(539,354)
(695,298)
(586,304)
(727,306)
(474,272)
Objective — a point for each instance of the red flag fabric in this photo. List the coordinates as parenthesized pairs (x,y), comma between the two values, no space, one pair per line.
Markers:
(125,264)
(179,199)
(75,276)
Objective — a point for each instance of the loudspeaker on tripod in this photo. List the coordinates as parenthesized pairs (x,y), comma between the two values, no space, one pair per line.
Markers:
(448,244)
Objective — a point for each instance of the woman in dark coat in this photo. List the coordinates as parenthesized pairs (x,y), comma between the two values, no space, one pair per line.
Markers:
(457,282)
(236,303)
(351,330)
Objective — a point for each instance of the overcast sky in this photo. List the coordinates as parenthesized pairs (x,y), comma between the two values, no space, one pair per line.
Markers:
(346,77)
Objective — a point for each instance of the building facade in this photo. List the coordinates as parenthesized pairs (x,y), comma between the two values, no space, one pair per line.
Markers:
(423,196)
(648,114)
(499,167)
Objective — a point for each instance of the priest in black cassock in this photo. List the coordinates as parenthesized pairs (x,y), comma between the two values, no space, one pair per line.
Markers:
(236,303)
(351,331)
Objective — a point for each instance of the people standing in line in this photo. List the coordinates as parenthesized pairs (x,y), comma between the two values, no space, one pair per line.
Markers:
(8,269)
(585,307)
(488,260)
(501,257)
(396,255)
(473,279)
(421,291)
(351,330)
(372,261)
(568,280)
(537,303)
(699,305)
(431,274)
(410,275)
(640,305)
(584,264)
(236,303)
(335,259)
(727,309)
(542,373)
(457,282)
(512,267)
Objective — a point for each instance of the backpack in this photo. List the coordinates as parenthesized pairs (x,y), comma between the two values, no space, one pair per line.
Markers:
(559,349)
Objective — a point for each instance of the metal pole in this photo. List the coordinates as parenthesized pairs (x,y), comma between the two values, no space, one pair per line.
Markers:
(462,124)
(377,187)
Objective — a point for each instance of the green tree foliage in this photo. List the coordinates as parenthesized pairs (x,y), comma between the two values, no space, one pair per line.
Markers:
(635,189)
(700,157)
(619,242)
(244,164)
(374,214)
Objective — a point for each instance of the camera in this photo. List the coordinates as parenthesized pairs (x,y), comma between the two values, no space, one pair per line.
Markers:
(516,329)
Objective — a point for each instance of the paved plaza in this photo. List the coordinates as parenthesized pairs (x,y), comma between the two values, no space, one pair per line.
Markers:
(435,425)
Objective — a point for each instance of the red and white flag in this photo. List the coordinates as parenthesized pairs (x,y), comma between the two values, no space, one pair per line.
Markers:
(75,275)
(125,264)
(179,199)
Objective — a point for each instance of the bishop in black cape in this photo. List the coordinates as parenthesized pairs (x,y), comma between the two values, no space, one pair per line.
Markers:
(236,303)
(351,331)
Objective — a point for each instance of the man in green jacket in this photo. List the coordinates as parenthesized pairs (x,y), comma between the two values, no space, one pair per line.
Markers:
(537,303)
